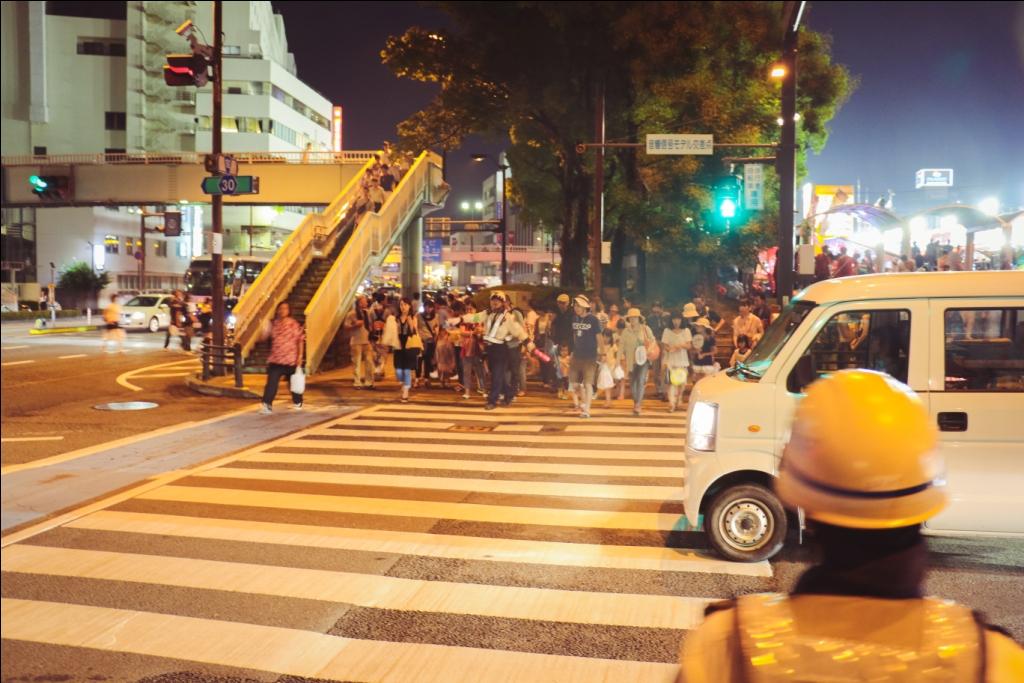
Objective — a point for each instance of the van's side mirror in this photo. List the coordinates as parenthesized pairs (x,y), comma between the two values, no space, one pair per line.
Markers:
(801,375)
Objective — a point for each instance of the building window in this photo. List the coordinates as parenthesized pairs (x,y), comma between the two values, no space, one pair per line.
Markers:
(101,47)
(160,248)
(182,248)
(111,244)
(129,246)
(116,120)
(232,50)
(39,151)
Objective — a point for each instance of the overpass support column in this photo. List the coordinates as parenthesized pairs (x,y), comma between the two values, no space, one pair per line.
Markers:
(412,257)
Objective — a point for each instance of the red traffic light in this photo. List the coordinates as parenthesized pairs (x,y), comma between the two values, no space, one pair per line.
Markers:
(186,69)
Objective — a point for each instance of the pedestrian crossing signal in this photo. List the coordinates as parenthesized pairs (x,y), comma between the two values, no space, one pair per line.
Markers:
(186,69)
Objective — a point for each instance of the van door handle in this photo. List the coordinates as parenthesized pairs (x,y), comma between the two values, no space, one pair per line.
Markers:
(953,422)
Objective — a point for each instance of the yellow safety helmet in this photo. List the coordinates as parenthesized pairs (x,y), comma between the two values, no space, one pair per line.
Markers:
(862,454)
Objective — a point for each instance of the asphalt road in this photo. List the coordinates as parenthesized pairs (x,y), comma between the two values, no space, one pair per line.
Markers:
(51,383)
(420,542)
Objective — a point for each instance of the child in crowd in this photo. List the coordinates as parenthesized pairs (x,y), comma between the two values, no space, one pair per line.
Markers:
(742,350)
(563,373)
(609,361)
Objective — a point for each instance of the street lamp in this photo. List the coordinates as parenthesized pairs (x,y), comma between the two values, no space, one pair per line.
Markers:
(503,167)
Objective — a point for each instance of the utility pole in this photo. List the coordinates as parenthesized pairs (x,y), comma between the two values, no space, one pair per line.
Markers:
(597,226)
(217,242)
(786,157)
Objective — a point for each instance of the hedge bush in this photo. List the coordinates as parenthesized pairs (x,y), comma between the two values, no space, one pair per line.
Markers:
(32,315)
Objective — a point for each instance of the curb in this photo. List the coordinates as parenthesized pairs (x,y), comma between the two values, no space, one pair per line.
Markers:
(195,383)
(63,330)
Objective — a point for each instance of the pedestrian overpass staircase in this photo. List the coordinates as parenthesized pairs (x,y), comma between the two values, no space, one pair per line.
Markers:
(322,263)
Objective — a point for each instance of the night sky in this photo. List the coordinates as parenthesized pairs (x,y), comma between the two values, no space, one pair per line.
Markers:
(941,86)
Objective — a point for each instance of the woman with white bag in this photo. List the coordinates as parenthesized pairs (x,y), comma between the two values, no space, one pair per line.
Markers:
(637,348)
(678,341)
(285,358)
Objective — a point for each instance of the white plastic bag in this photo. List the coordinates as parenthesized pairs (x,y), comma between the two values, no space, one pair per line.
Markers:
(297,383)
(604,378)
(618,373)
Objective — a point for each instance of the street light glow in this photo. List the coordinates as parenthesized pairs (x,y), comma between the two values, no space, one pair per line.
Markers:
(464,206)
(478,206)
(989,206)
(778,71)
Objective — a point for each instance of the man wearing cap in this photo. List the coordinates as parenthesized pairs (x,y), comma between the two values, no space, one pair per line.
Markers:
(860,614)
(586,330)
(561,328)
(500,327)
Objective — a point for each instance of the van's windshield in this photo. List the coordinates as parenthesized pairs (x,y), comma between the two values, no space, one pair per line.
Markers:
(775,337)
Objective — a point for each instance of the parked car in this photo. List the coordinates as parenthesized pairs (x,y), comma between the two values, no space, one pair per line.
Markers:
(147,311)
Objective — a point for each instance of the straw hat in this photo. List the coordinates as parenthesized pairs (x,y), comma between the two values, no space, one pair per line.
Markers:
(634,313)
(690,311)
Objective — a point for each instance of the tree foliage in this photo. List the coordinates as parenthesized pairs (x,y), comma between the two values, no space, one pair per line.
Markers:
(80,278)
(532,71)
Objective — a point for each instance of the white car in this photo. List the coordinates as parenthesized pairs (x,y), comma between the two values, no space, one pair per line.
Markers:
(147,312)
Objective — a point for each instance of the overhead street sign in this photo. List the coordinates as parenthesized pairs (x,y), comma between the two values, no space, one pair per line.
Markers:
(231,184)
(672,143)
(934,177)
(753,187)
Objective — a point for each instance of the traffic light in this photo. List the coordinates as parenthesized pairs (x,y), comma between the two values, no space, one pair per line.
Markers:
(51,187)
(728,197)
(172,224)
(186,69)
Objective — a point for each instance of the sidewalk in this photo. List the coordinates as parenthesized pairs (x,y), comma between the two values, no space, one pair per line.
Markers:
(20,326)
(35,491)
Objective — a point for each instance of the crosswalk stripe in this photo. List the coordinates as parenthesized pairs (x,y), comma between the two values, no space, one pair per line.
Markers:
(525,413)
(518,428)
(474,512)
(508,451)
(469,465)
(597,417)
(551,439)
(422,544)
(619,429)
(609,491)
(406,424)
(302,653)
(364,590)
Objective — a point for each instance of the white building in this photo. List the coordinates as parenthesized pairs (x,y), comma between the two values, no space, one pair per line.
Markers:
(85,85)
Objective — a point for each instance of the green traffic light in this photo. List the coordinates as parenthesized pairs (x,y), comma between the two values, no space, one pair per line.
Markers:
(727,209)
(37,183)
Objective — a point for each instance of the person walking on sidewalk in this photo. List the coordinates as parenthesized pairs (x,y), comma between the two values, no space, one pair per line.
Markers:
(287,337)
(586,331)
(358,326)
(633,354)
(401,335)
(179,319)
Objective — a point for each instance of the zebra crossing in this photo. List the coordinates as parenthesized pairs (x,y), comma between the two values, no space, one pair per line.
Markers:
(408,542)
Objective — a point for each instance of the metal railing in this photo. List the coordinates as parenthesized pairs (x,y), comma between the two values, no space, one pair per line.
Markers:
(187,158)
(368,245)
(316,233)
(216,358)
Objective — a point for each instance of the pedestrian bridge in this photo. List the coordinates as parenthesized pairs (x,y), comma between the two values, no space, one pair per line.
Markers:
(147,178)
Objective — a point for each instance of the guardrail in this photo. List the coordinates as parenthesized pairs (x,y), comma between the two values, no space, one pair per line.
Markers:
(187,158)
(369,244)
(316,232)
(216,357)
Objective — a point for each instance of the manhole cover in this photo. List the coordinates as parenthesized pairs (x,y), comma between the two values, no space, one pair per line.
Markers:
(127,405)
(470,428)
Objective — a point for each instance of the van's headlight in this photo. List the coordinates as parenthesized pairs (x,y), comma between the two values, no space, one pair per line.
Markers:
(137,316)
(703,426)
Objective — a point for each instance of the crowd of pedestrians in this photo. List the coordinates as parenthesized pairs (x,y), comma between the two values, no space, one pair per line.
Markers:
(578,350)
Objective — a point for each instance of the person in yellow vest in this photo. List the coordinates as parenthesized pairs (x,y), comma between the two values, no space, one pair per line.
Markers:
(859,615)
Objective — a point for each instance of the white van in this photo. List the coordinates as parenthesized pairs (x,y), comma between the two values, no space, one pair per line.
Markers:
(956,338)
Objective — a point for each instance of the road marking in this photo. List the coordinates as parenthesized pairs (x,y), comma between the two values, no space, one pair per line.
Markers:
(364,590)
(469,451)
(468,465)
(497,486)
(477,548)
(15,439)
(77,355)
(169,374)
(128,494)
(474,411)
(123,378)
(15,348)
(422,509)
(301,653)
(18,362)
(550,439)
(518,428)
(598,416)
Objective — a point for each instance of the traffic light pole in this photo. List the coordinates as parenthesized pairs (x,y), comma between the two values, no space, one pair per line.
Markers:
(217,245)
(786,156)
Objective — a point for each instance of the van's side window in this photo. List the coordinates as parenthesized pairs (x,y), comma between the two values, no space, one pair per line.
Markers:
(984,349)
(875,340)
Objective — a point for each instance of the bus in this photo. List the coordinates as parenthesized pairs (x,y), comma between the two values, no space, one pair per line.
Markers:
(239,273)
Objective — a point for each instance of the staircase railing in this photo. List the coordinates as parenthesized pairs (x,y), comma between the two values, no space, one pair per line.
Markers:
(315,234)
(367,247)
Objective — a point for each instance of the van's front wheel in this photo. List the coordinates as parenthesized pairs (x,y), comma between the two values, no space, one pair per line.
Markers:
(746,523)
